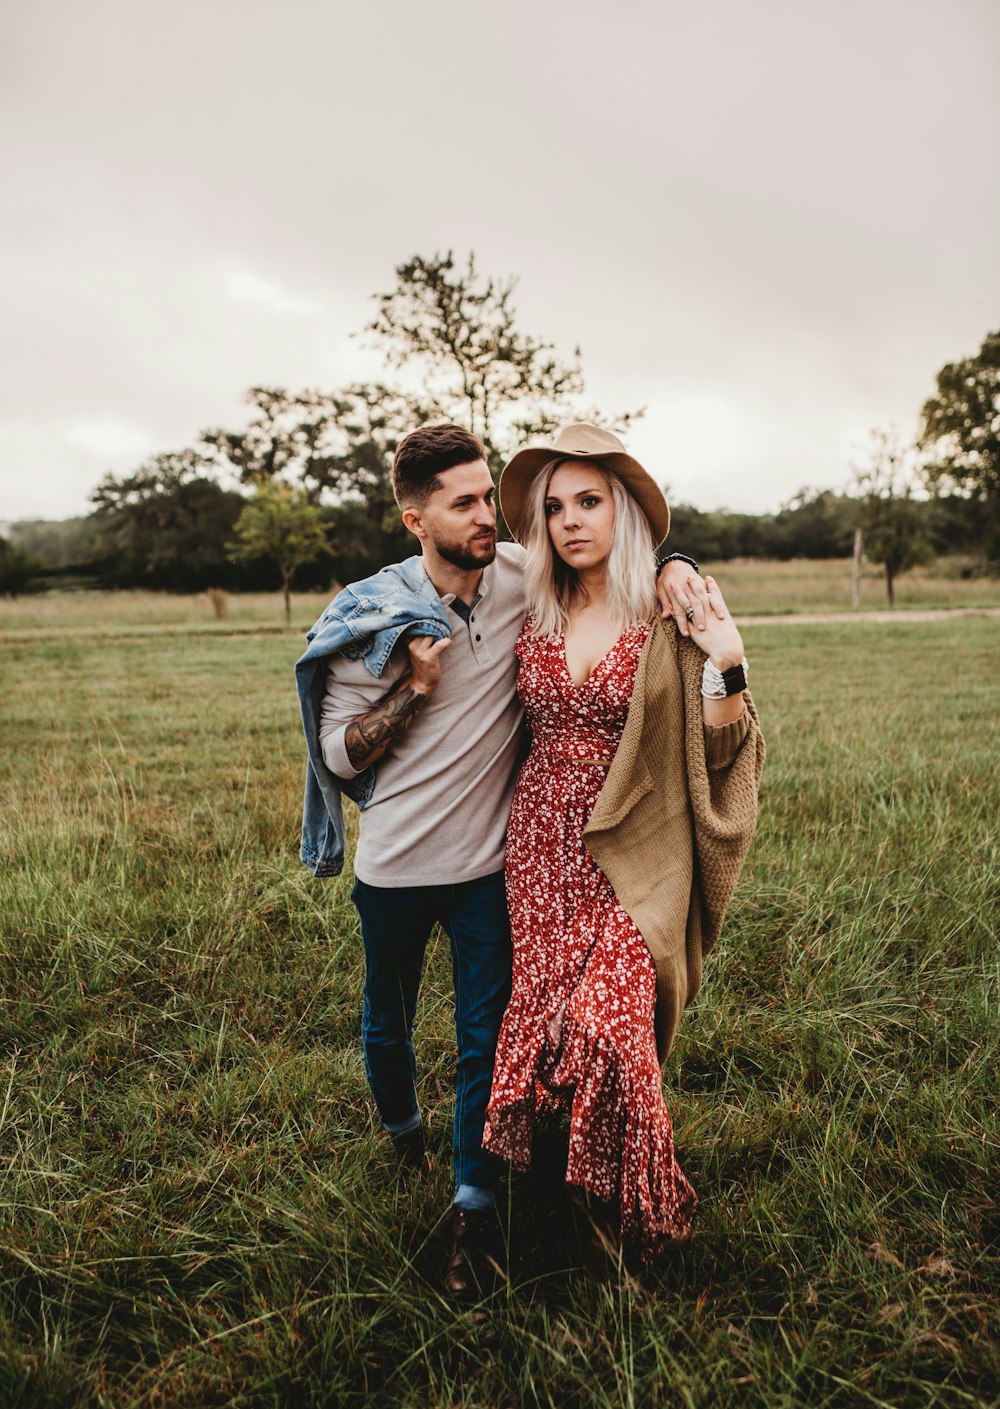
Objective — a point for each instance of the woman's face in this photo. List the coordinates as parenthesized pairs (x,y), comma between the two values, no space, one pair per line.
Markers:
(580,514)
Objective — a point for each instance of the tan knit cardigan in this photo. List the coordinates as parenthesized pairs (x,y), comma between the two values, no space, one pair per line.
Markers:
(674,819)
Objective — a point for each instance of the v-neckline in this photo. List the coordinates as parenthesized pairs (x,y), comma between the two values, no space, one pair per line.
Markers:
(597,665)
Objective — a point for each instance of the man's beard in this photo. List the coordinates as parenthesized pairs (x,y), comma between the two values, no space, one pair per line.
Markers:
(468,556)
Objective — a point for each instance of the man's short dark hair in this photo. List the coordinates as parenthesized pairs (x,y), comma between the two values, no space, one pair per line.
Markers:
(422,455)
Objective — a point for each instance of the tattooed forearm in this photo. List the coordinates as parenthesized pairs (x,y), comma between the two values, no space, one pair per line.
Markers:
(369,735)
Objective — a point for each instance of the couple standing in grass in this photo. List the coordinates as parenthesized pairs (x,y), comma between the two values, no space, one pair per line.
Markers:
(580,890)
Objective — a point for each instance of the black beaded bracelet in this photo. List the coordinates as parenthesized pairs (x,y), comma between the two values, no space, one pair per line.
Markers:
(676,558)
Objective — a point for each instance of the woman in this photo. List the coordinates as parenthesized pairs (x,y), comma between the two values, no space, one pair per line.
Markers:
(631,818)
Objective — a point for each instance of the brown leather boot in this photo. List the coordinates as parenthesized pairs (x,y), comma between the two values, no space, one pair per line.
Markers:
(475,1254)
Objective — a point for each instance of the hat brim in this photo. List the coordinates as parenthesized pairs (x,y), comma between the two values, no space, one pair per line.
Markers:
(520,472)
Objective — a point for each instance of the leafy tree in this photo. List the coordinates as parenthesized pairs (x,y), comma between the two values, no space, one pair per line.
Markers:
(894,524)
(287,433)
(264,447)
(361,547)
(62,546)
(336,444)
(165,526)
(961,429)
(459,330)
(815,523)
(279,523)
(19,570)
(717,535)
(356,463)
(962,423)
(477,368)
(955,524)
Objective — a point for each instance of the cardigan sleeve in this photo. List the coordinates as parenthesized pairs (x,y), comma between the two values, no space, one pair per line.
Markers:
(724,765)
(723,741)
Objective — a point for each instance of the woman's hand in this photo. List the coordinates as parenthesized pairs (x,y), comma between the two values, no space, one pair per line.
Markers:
(719,637)
(677,600)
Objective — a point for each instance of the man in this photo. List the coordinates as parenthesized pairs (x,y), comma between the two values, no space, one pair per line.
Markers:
(414,671)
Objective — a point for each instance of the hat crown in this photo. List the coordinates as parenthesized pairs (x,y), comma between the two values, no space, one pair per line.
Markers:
(582,438)
(585,441)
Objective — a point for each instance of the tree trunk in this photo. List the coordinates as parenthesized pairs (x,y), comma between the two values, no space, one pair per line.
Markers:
(286,584)
(890,584)
(859,555)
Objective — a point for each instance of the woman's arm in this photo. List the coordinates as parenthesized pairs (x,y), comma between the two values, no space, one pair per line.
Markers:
(721,643)
(675,599)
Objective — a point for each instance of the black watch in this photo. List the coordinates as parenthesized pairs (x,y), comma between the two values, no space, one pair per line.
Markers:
(734,679)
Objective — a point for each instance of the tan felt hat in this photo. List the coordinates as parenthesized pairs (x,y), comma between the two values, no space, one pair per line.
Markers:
(581,441)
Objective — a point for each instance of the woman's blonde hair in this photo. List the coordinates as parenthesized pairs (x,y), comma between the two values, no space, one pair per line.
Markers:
(550,584)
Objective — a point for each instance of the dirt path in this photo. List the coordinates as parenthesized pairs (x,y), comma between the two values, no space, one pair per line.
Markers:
(899,614)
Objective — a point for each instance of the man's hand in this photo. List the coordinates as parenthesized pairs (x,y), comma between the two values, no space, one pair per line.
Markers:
(676,598)
(425,662)
(368,735)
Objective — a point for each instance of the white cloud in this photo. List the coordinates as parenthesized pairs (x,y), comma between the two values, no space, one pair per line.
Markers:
(49,467)
(243,287)
(109,437)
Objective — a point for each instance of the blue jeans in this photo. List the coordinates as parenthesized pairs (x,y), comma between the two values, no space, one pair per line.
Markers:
(395,927)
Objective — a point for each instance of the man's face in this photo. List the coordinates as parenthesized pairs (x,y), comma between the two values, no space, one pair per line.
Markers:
(459,520)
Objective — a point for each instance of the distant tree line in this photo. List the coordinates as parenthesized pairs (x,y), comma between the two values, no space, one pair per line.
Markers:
(819,523)
(304,490)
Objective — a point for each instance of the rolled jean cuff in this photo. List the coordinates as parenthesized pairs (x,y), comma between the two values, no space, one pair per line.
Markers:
(468,1196)
(402,1127)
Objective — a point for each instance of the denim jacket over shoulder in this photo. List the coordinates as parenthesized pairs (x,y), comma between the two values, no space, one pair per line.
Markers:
(364,622)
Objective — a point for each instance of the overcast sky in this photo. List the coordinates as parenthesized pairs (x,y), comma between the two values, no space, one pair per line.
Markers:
(770,223)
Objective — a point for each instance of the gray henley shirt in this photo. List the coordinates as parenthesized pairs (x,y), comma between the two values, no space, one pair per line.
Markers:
(438,814)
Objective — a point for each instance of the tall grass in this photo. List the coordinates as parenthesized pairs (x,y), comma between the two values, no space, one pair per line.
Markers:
(198,1209)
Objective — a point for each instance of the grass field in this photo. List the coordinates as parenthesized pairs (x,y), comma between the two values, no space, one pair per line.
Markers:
(752,588)
(197,1208)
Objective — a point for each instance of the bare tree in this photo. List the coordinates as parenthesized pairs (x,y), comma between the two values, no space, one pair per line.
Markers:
(458,329)
(892,526)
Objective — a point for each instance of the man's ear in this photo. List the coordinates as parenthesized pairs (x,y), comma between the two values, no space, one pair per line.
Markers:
(414,522)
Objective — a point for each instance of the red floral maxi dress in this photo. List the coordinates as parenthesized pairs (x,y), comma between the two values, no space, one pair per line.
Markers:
(578,1031)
